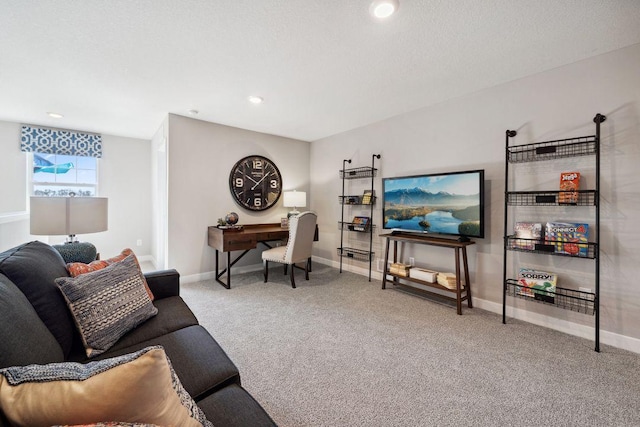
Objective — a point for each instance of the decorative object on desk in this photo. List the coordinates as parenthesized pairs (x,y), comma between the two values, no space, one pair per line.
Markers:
(221,222)
(231,218)
(255,183)
(294,199)
(54,216)
(284,222)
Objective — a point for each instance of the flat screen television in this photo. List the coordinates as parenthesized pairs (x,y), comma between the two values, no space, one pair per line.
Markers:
(449,203)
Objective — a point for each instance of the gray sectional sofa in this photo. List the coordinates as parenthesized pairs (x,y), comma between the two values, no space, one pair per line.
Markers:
(36,327)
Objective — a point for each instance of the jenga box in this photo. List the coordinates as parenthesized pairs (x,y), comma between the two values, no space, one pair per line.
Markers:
(569,185)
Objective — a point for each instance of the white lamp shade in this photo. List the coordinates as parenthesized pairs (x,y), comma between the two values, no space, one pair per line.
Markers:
(295,199)
(52,216)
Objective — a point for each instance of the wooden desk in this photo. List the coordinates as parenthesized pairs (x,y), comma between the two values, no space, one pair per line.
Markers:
(228,240)
(459,247)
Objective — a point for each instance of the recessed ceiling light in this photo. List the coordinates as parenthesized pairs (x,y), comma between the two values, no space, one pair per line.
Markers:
(383,8)
(256,99)
(54,115)
(193,112)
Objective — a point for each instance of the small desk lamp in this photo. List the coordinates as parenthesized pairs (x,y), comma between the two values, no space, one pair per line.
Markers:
(55,216)
(294,199)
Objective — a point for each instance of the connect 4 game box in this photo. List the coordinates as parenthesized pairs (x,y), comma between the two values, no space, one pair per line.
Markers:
(568,237)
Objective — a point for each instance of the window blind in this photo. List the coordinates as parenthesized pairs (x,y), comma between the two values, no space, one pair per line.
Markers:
(57,141)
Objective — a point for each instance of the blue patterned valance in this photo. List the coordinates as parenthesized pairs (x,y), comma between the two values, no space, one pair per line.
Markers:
(56,141)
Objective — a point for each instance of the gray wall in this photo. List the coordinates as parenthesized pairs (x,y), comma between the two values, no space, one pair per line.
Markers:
(200,157)
(469,133)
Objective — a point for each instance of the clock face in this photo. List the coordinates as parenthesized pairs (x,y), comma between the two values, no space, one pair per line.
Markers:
(255,183)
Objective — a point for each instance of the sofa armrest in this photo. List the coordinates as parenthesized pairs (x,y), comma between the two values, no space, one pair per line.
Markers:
(163,283)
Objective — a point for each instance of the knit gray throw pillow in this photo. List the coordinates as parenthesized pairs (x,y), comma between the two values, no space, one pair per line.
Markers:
(108,303)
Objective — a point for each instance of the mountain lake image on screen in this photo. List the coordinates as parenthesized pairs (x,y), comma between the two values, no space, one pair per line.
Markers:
(449,203)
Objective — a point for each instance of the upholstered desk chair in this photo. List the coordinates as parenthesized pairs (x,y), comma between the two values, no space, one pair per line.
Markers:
(302,228)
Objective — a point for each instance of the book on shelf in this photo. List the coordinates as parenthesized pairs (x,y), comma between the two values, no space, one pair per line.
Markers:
(569,238)
(526,234)
(367,197)
(399,269)
(360,223)
(569,185)
(537,284)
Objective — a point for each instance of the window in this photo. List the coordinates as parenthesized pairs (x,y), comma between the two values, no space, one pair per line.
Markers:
(61,175)
(62,162)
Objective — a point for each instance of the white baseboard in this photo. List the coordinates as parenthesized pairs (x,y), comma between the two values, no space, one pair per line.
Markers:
(210,275)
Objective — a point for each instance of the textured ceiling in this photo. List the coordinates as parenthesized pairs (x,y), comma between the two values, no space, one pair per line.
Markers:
(323,67)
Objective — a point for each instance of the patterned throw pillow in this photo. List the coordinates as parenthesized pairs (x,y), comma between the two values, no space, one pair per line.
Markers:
(106,304)
(139,388)
(77,268)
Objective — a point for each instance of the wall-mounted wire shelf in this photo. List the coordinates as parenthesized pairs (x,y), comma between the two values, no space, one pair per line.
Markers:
(570,299)
(356,200)
(570,147)
(354,226)
(362,172)
(552,247)
(357,254)
(550,198)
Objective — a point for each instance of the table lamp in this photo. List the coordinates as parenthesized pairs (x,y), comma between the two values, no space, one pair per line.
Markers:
(55,216)
(294,199)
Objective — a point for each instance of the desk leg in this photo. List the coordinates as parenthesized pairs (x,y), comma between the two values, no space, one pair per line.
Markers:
(220,273)
(467,282)
(458,290)
(384,268)
(227,270)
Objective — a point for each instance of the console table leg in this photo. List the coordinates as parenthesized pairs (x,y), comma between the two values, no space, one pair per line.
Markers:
(467,282)
(458,290)
(384,268)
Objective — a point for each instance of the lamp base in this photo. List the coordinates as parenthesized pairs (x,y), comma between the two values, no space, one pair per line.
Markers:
(293,213)
(84,252)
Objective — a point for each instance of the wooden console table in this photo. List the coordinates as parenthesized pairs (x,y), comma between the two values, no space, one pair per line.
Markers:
(461,292)
(245,239)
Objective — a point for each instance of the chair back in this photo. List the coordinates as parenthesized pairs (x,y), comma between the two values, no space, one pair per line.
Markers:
(302,228)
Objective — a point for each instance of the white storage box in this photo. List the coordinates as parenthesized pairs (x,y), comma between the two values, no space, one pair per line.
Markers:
(423,274)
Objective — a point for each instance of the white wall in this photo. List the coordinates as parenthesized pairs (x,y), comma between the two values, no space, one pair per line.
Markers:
(201,155)
(469,133)
(124,177)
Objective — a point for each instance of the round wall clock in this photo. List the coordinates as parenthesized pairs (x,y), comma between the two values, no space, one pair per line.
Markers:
(255,183)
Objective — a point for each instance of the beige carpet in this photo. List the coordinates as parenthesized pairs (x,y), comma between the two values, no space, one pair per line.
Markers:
(339,351)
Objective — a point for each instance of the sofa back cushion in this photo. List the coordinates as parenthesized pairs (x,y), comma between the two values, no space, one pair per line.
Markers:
(24,339)
(33,268)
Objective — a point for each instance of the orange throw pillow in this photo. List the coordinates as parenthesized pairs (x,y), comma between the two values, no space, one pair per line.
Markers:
(77,268)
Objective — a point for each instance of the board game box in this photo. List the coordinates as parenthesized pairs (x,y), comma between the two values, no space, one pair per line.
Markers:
(360,223)
(569,184)
(568,238)
(526,234)
(537,284)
